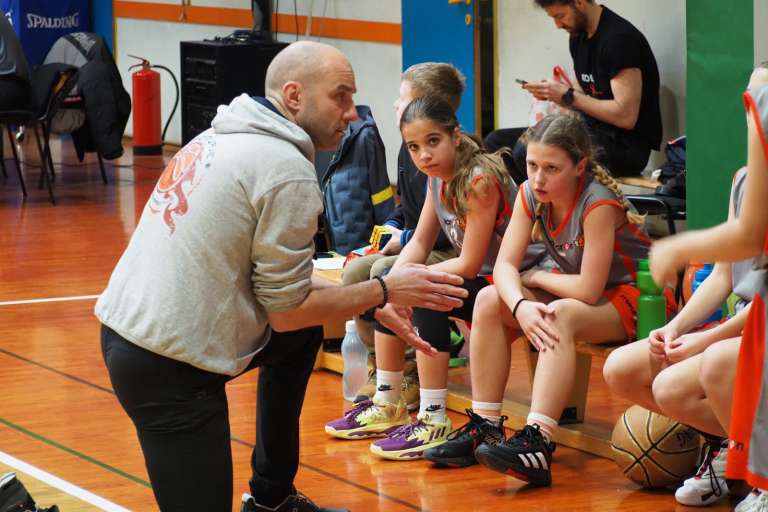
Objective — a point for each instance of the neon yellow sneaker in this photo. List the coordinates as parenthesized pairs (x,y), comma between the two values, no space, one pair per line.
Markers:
(369,419)
(410,441)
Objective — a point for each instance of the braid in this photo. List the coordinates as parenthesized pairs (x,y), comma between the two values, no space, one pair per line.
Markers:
(605,179)
(537,234)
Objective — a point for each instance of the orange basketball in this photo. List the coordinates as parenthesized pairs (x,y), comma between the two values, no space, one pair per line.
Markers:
(653,450)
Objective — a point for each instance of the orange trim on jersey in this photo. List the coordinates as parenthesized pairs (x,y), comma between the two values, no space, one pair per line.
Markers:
(629,264)
(594,205)
(567,219)
(525,201)
(751,106)
(638,233)
(505,211)
(746,395)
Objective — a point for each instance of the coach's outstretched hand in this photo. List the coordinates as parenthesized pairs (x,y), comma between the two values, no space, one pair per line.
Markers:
(416,285)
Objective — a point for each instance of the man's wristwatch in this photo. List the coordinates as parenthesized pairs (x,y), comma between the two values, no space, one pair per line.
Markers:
(567,98)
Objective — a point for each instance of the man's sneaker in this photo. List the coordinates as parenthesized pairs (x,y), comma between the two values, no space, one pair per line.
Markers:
(708,485)
(294,503)
(369,419)
(15,498)
(459,448)
(526,456)
(410,441)
(410,393)
(756,501)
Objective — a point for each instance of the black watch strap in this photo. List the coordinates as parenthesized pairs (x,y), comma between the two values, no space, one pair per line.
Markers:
(568,97)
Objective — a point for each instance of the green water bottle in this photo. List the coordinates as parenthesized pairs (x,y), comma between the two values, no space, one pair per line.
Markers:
(651,305)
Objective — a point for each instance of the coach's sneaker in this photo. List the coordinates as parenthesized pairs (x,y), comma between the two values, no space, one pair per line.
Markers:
(526,456)
(410,441)
(369,419)
(459,448)
(296,502)
(708,485)
(15,498)
(756,501)
(410,394)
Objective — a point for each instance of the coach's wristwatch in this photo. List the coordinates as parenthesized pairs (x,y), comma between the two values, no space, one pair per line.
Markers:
(567,98)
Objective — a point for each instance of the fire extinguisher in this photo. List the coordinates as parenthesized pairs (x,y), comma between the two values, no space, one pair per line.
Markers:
(147,138)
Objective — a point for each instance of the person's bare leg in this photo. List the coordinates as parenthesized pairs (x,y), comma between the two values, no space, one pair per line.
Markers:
(680,396)
(717,376)
(629,372)
(489,348)
(556,367)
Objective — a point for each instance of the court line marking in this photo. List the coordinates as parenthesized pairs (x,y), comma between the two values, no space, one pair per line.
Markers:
(74,452)
(52,299)
(60,484)
(234,439)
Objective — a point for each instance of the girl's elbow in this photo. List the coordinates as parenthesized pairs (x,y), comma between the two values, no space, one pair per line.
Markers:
(592,297)
(469,269)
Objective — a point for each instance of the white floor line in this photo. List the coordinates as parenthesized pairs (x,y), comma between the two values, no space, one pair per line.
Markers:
(52,299)
(60,484)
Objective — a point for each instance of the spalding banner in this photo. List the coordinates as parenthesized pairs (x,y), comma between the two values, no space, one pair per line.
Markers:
(39,23)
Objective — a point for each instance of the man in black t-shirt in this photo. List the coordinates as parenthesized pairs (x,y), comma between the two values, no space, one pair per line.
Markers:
(617,83)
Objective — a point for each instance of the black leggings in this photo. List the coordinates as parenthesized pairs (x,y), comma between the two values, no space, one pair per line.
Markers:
(434,326)
(182,421)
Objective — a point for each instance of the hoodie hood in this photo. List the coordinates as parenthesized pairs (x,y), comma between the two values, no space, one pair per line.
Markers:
(246,115)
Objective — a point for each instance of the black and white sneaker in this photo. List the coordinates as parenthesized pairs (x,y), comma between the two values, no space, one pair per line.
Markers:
(459,450)
(526,456)
(15,498)
(296,502)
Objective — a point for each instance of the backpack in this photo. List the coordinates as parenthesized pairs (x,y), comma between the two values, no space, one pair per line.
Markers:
(672,174)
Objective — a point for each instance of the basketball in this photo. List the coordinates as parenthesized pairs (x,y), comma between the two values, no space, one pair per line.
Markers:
(653,450)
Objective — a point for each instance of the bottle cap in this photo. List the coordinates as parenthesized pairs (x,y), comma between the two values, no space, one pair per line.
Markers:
(350,326)
(643,265)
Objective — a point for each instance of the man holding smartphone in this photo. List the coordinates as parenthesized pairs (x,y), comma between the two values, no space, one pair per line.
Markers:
(617,83)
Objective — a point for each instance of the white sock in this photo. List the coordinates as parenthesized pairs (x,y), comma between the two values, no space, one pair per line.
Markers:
(388,386)
(433,403)
(546,424)
(494,418)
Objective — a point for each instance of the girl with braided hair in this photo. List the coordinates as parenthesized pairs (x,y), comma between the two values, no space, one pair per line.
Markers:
(469,198)
(584,289)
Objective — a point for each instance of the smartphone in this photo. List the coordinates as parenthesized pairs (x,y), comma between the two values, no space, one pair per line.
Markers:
(521,82)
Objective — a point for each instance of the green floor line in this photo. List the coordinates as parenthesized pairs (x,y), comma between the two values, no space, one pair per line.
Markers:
(83,456)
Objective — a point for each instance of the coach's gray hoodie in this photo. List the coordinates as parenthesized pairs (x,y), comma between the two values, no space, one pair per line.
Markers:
(227,235)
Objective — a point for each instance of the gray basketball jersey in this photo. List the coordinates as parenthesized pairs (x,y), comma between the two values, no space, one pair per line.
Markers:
(746,279)
(567,246)
(454,229)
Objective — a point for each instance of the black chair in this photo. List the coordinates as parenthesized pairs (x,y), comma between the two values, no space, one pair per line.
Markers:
(671,208)
(51,83)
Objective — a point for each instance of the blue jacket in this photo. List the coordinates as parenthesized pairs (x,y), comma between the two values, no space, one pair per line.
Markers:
(356,189)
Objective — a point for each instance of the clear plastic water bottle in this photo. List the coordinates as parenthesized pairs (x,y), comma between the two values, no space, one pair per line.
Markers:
(699,278)
(355,355)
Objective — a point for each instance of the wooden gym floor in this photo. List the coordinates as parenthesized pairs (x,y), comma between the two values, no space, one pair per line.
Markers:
(58,412)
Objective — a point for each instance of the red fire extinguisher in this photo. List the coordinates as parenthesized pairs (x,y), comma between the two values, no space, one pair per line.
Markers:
(147,138)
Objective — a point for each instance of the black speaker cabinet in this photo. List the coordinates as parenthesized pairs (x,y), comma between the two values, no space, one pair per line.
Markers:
(215,72)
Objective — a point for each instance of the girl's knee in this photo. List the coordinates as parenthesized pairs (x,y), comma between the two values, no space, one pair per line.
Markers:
(666,391)
(713,360)
(487,304)
(616,372)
